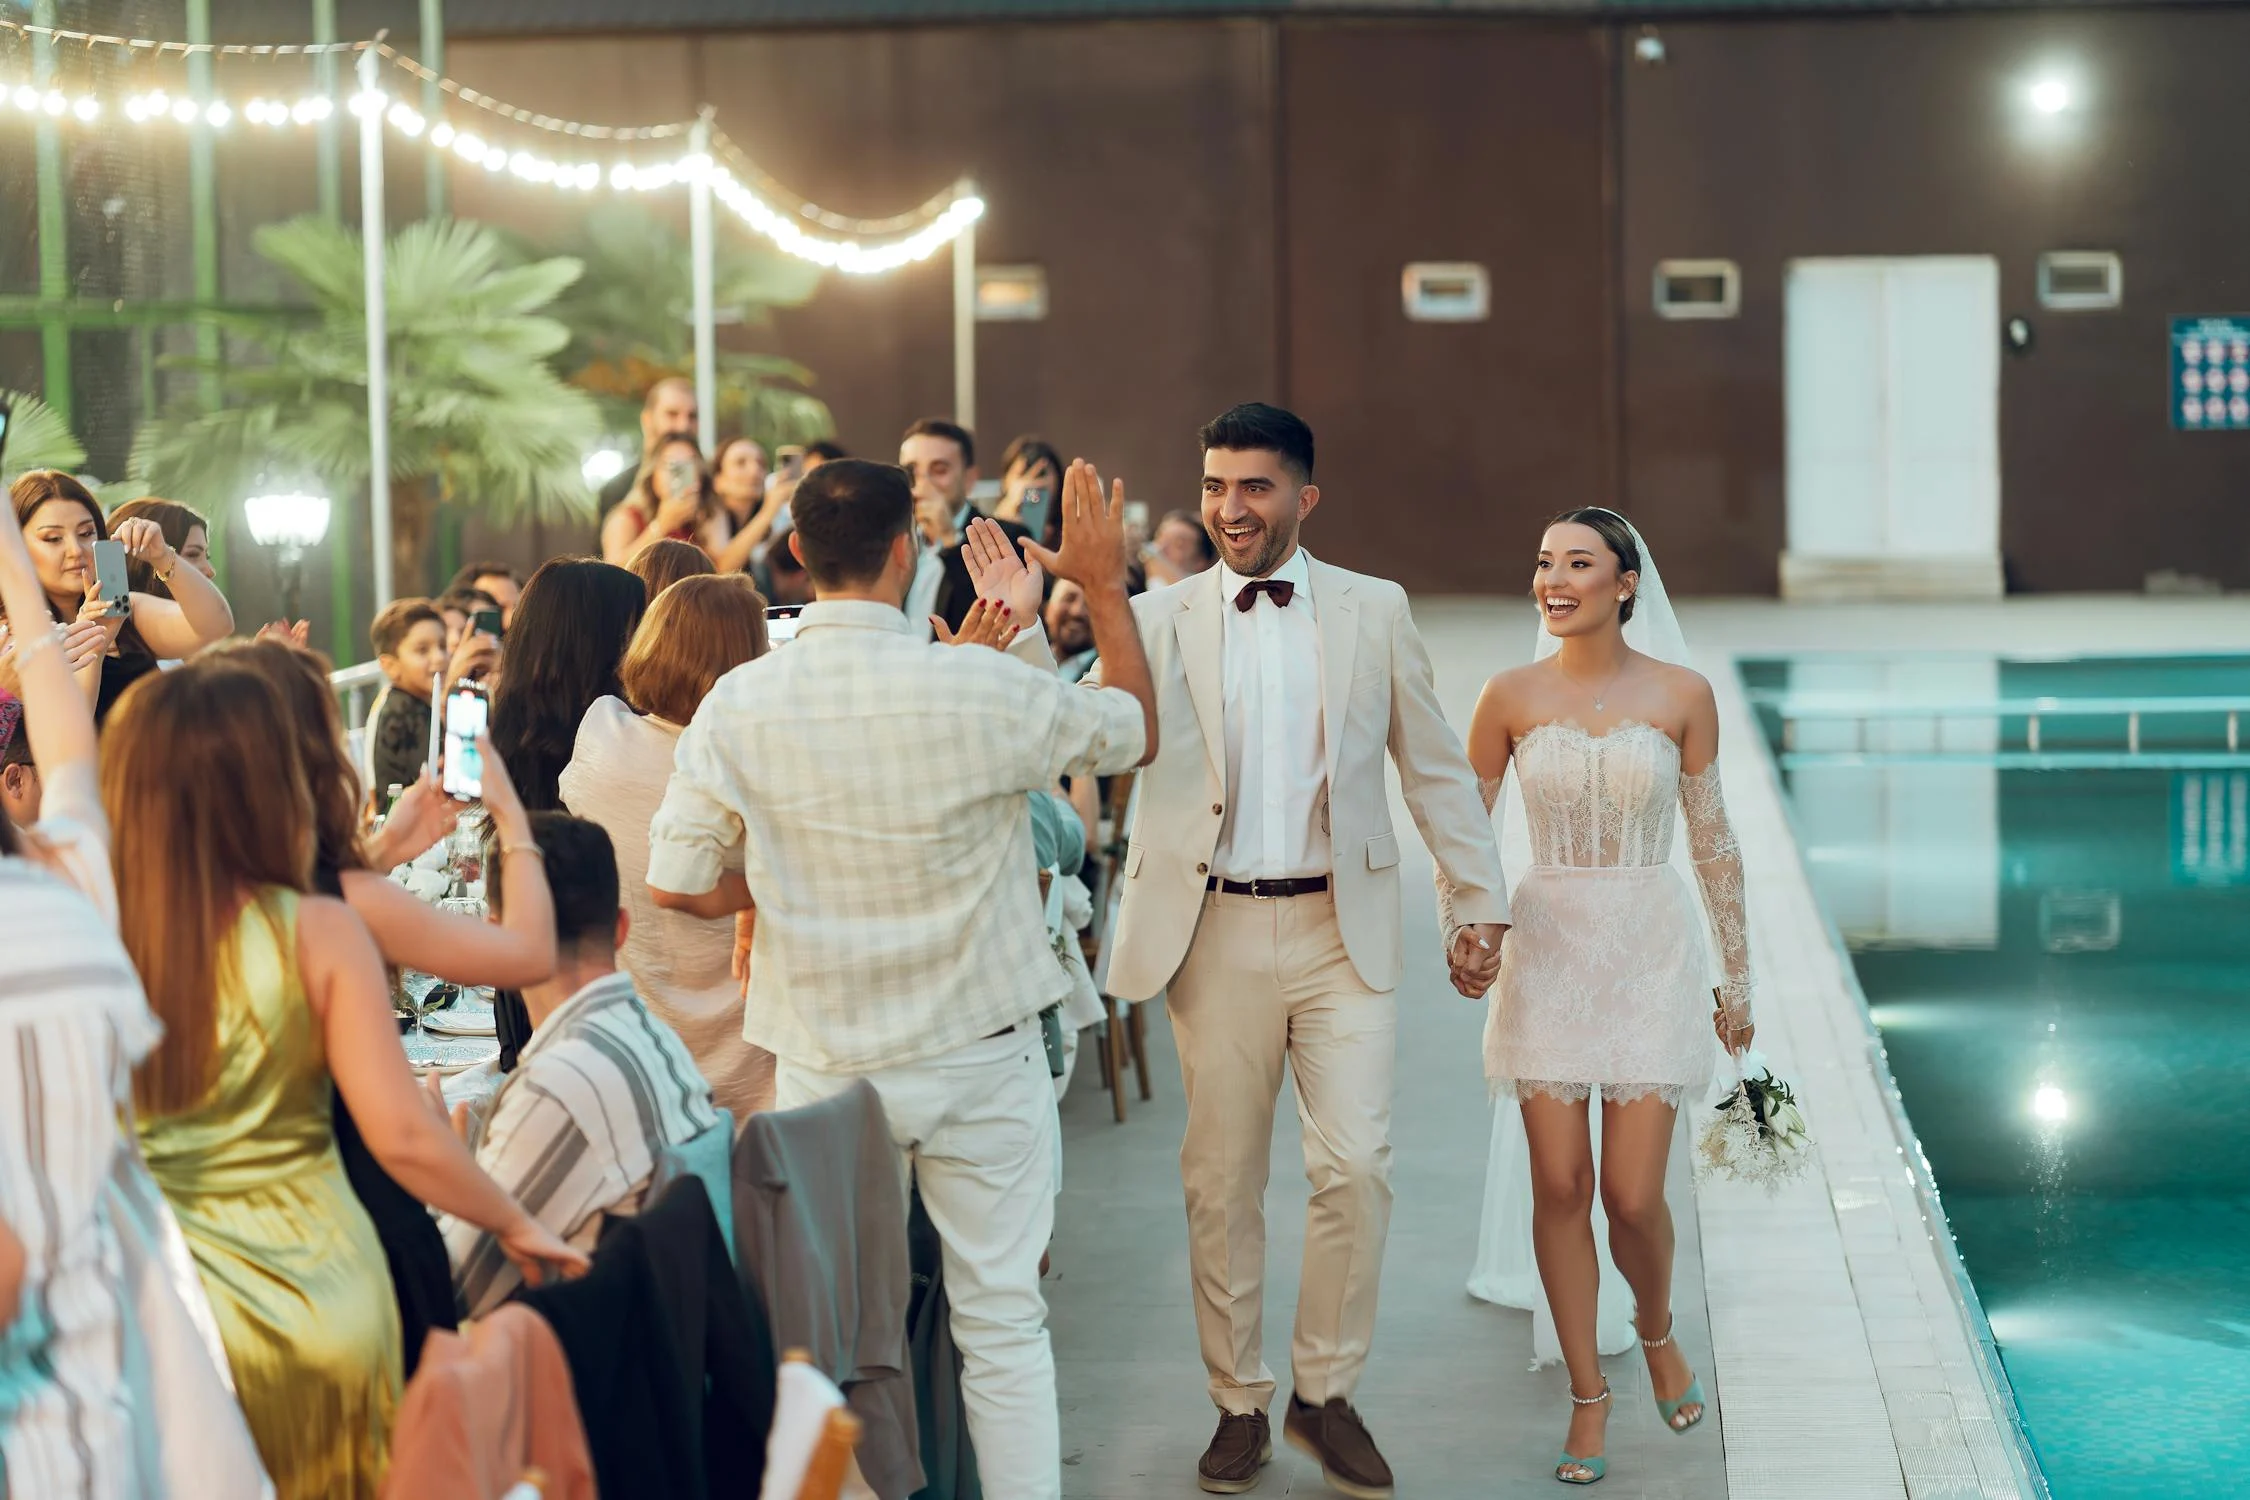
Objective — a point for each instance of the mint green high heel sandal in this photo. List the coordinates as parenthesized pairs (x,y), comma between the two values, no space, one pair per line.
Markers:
(1583,1470)
(1672,1411)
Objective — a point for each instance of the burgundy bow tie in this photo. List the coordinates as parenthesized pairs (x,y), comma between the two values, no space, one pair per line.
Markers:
(1281,589)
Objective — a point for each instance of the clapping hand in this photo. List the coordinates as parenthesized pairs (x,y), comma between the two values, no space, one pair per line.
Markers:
(1475,960)
(289,635)
(999,571)
(988,624)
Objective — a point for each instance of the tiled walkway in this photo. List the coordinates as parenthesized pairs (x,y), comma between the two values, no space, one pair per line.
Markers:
(1827,1319)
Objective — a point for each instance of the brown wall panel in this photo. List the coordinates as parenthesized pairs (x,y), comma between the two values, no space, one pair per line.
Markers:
(1766,141)
(1444,445)
(1132,161)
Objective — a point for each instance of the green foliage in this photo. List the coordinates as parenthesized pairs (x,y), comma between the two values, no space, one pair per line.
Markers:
(38,438)
(476,405)
(631,320)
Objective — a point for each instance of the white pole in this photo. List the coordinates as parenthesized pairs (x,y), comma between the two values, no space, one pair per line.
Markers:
(699,238)
(965,317)
(371,233)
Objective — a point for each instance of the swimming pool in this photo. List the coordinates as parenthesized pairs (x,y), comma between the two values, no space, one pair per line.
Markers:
(2055,946)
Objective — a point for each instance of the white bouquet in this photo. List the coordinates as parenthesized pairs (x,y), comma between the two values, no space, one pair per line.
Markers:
(1756,1133)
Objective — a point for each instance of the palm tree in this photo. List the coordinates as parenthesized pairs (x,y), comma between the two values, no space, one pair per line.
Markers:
(37,437)
(478,415)
(631,319)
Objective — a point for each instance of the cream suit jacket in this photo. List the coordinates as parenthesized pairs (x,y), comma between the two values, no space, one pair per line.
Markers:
(1377,697)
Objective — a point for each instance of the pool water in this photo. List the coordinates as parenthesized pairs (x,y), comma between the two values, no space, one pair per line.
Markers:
(2059,964)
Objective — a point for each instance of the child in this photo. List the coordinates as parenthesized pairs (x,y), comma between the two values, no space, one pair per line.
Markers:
(409,641)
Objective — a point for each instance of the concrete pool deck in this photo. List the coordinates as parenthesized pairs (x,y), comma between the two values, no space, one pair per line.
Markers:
(1827,1321)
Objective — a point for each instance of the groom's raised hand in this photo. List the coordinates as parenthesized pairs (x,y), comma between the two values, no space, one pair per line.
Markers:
(1475,959)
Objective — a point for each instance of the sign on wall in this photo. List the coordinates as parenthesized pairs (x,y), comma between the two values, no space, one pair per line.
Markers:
(2211,374)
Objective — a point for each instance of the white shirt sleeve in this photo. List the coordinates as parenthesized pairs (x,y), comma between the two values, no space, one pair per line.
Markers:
(696,833)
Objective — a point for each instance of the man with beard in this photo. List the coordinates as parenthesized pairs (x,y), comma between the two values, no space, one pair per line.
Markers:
(1261,897)
(1070,633)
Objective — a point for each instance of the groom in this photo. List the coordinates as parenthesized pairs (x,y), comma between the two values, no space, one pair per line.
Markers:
(1261,896)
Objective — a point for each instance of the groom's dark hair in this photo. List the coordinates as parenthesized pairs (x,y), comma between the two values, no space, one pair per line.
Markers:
(1618,536)
(1257,427)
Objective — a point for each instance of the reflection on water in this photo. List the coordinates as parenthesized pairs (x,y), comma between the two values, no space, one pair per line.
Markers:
(2078,1082)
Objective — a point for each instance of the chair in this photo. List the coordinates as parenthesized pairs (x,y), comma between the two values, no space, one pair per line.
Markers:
(709,1156)
(809,1449)
(1125,1036)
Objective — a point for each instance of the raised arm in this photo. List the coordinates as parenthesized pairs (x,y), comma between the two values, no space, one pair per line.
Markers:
(197,613)
(1093,557)
(1718,868)
(343,977)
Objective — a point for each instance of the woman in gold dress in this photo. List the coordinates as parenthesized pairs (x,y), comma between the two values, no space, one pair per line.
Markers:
(270,999)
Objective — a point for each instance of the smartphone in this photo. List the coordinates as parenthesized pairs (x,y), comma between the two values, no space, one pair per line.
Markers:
(788,464)
(781,624)
(679,477)
(1033,515)
(466,711)
(485,622)
(1136,518)
(110,582)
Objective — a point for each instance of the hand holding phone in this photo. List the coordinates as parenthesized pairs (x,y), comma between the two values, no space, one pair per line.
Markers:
(781,624)
(1032,514)
(466,712)
(111,585)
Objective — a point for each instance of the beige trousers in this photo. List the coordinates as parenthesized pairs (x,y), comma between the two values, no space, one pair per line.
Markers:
(1267,982)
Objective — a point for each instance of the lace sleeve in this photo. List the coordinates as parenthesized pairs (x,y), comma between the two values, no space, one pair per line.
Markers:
(1447,925)
(1718,870)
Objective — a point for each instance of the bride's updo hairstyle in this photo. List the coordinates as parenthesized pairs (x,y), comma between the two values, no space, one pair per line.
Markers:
(1611,528)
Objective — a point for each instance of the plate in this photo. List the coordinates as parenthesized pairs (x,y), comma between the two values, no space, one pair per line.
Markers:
(448,1054)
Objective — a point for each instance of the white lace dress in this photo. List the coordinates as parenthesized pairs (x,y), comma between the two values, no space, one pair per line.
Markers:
(1606,977)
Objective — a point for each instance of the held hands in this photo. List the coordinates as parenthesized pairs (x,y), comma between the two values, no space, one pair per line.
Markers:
(1475,959)
(988,624)
(1092,554)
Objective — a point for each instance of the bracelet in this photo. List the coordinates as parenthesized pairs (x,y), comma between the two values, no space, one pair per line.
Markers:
(37,641)
(525,846)
(165,576)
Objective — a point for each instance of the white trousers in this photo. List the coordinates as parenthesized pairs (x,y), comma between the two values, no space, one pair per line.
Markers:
(977,1129)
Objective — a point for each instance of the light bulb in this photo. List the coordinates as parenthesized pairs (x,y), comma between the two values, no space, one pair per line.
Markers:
(2050,96)
(218,114)
(441,135)
(54,103)
(2050,1104)
(86,108)
(183,110)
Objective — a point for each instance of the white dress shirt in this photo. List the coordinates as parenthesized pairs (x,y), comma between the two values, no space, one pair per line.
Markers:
(1277,753)
(921,594)
(874,786)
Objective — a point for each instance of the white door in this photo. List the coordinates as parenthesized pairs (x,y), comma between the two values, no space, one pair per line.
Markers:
(1893,389)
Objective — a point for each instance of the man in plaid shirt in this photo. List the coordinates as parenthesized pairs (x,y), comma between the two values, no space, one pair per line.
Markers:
(872,786)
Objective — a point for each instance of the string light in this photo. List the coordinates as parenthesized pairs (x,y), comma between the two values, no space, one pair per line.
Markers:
(788,231)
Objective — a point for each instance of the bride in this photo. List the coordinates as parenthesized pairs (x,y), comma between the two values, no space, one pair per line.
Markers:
(1601,977)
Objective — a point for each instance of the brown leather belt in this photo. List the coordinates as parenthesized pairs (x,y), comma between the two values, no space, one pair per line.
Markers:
(1268,890)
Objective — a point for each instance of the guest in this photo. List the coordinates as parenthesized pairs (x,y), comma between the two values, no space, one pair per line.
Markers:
(1181,549)
(668,407)
(52,820)
(671,499)
(409,933)
(72,1022)
(185,531)
(662,564)
(822,452)
(572,626)
(409,641)
(1070,631)
(271,1002)
(1031,463)
(695,633)
(784,580)
(61,522)
(457,607)
(601,1088)
(873,788)
(753,500)
(496,580)
(940,460)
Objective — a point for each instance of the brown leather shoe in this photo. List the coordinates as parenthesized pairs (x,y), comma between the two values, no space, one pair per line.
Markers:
(1239,1449)
(1334,1435)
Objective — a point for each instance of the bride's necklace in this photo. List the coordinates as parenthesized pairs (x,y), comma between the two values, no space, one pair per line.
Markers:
(1601,693)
